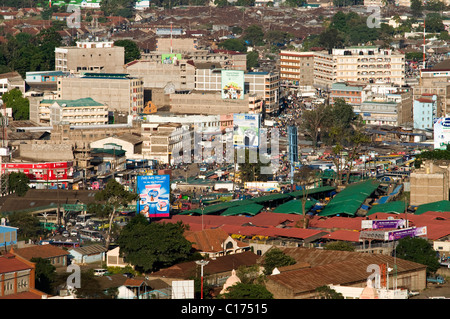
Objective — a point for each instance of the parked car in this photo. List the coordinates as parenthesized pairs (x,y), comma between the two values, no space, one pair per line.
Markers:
(65,233)
(73,232)
(100,272)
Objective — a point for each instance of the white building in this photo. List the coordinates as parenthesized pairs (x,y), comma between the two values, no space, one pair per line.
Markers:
(367,64)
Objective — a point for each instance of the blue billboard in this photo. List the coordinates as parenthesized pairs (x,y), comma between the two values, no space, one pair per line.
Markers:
(154,195)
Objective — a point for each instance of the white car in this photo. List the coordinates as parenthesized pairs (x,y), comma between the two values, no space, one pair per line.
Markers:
(65,233)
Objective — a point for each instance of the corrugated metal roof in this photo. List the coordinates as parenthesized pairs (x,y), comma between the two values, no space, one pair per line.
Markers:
(90,250)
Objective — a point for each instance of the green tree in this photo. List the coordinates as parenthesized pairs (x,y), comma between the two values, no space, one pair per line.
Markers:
(20,105)
(330,39)
(314,121)
(152,246)
(250,166)
(325,292)
(433,22)
(90,288)
(27,224)
(339,245)
(252,60)
(45,274)
(114,196)
(18,183)
(416,8)
(132,51)
(254,35)
(275,257)
(418,250)
(233,45)
(247,291)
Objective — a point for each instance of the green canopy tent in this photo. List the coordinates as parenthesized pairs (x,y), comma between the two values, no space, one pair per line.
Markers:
(439,206)
(396,207)
(294,206)
(350,199)
(250,209)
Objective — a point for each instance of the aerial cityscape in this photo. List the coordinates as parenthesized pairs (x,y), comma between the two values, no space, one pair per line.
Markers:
(224,150)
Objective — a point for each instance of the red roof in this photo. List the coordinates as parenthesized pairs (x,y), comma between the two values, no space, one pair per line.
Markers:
(10,263)
(343,235)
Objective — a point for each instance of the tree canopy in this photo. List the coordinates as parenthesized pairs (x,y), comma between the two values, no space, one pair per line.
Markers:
(418,250)
(276,258)
(152,246)
(132,51)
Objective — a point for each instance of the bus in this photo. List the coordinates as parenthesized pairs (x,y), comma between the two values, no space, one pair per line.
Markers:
(82,219)
(90,235)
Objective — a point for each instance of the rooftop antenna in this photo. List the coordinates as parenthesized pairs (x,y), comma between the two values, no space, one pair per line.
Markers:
(424,44)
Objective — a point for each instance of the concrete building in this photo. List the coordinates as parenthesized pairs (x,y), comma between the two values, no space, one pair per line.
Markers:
(430,183)
(225,58)
(394,109)
(43,77)
(87,56)
(176,45)
(84,111)
(260,86)
(160,139)
(352,93)
(296,68)
(130,143)
(367,64)
(425,112)
(155,74)
(435,82)
(121,92)
(10,81)
(208,103)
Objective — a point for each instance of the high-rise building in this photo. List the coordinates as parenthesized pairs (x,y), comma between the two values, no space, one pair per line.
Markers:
(366,64)
(90,56)
(121,92)
(296,68)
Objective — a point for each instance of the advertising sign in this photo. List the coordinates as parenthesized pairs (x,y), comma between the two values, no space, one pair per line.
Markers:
(408,232)
(232,84)
(154,195)
(170,58)
(246,130)
(383,224)
(441,133)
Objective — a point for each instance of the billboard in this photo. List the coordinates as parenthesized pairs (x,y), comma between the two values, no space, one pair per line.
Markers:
(232,84)
(170,58)
(246,130)
(441,133)
(408,232)
(383,224)
(154,195)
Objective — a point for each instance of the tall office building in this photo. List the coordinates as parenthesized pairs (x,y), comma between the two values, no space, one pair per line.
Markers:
(366,64)
(90,56)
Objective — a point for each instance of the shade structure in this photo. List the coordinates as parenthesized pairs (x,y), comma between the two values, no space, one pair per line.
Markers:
(294,207)
(350,199)
(250,209)
(396,207)
(439,206)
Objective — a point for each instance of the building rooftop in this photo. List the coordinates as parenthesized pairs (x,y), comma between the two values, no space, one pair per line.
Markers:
(74,103)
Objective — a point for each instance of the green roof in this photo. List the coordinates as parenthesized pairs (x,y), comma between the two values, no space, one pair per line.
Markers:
(87,101)
(313,191)
(439,206)
(294,207)
(251,209)
(270,197)
(396,207)
(350,199)
(108,151)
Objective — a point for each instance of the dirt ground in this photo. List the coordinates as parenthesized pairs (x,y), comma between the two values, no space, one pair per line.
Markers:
(434,290)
